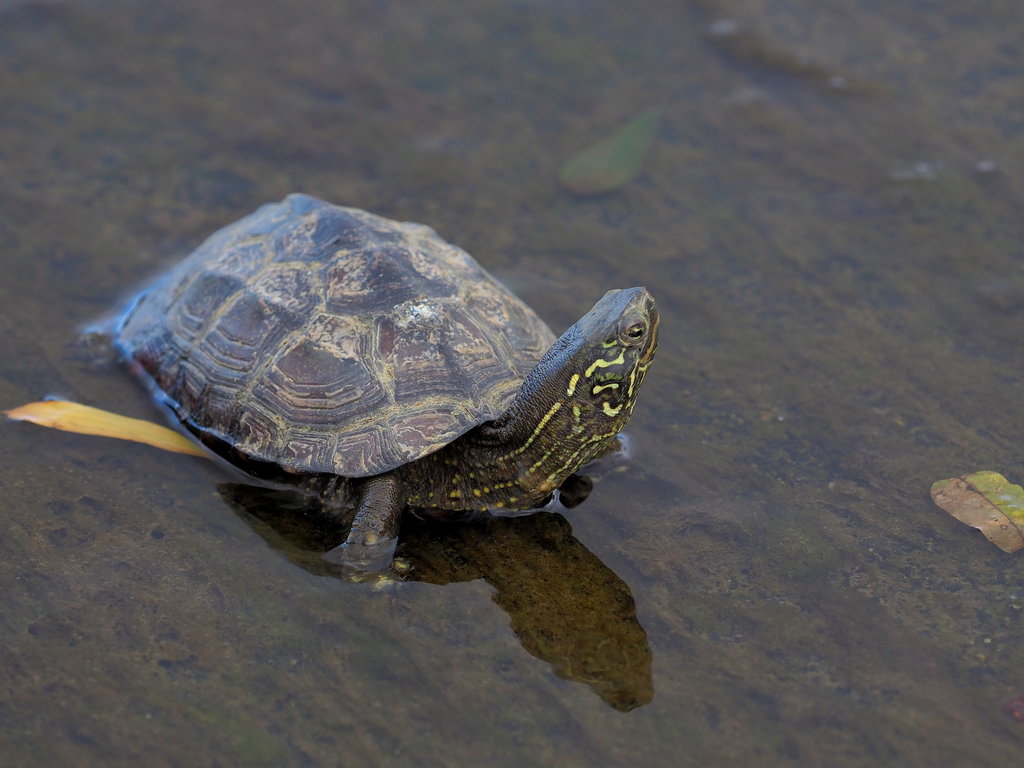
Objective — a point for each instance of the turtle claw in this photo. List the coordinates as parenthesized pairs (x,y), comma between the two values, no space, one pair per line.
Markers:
(364,558)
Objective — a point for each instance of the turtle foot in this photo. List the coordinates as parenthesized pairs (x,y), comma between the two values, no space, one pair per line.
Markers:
(364,558)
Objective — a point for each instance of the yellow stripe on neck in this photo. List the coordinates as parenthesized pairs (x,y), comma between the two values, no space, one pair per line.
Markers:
(540,428)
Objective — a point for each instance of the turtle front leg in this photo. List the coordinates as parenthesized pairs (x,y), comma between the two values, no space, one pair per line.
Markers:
(370,546)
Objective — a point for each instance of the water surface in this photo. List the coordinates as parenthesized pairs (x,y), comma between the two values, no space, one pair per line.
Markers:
(830,220)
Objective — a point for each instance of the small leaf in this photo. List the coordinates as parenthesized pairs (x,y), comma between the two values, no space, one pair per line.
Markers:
(85,420)
(612,161)
(986,501)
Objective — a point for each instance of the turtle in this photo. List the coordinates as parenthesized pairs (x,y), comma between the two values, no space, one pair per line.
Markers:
(381,368)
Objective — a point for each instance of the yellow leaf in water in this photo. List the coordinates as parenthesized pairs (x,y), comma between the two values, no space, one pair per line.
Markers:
(986,501)
(85,420)
(612,161)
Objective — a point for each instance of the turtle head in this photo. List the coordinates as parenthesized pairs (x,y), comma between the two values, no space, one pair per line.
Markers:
(577,398)
(612,347)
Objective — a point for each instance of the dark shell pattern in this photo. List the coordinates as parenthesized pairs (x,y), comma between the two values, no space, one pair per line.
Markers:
(329,339)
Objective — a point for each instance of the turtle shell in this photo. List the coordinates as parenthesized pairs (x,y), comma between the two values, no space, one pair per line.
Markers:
(329,339)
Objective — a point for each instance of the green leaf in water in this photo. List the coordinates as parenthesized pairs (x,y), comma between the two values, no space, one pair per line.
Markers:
(986,501)
(612,161)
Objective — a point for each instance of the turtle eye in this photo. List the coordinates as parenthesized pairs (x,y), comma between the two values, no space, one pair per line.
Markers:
(635,332)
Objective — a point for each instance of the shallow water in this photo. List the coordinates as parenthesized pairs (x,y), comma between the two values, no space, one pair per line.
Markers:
(830,220)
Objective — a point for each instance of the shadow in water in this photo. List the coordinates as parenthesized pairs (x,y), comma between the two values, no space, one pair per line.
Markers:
(566,607)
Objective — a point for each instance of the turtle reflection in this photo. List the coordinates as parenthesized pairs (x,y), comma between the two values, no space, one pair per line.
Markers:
(566,607)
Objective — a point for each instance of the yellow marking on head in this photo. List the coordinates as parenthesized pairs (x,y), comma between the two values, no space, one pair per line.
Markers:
(609,344)
(636,376)
(609,411)
(602,363)
(499,504)
(632,383)
(602,387)
(513,499)
(573,381)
